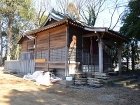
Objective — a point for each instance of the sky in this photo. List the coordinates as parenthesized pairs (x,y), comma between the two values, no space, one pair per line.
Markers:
(104,17)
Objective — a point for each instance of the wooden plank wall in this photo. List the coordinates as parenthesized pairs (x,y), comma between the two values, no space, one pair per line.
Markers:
(24,47)
(57,39)
(50,45)
(27,50)
(42,41)
(30,44)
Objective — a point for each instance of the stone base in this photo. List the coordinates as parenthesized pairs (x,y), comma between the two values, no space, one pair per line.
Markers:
(67,83)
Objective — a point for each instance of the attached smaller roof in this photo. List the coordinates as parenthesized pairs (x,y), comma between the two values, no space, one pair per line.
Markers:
(23,38)
(107,30)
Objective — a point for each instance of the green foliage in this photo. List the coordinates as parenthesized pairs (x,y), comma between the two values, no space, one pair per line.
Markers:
(131,29)
(43,19)
(16,17)
(131,20)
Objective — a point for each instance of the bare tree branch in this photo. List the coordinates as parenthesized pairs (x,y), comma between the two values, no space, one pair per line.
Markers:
(117,20)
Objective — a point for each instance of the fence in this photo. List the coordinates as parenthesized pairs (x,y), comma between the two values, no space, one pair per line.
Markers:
(22,66)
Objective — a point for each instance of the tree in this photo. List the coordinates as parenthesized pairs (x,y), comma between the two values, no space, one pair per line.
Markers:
(89,10)
(130,28)
(131,20)
(72,11)
(43,6)
(62,5)
(92,10)
(14,13)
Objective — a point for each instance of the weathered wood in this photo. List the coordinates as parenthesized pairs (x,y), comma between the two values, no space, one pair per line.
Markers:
(53,62)
(40,60)
(66,52)
(80,81)
(94,82)
(30,44)
(57,65)
(42,42)
(101,75)
(24,46)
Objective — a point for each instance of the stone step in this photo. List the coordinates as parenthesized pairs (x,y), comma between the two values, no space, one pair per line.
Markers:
(125,82)
(133,85)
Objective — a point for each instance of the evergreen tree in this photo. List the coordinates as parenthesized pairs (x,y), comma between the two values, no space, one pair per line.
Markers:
(131,20)
(131,28)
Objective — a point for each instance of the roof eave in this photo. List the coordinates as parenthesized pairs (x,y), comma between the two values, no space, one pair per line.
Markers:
(105,29)
(51,16)
(47,27)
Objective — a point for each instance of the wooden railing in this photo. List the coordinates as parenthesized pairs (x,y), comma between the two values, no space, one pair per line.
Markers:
(21,66)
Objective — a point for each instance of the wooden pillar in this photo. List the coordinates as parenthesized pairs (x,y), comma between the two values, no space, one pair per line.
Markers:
(66,52)
(119,60)
(35,47)
(100,55)
(82,55)
(35,51)
(48,51)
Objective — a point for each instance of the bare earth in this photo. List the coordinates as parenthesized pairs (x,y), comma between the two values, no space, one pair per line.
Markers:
(16,91)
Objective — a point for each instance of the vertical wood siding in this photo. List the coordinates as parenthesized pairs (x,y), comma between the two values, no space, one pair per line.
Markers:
(22,66)
(24,46)
(42,42)
(30,44)
(57,39)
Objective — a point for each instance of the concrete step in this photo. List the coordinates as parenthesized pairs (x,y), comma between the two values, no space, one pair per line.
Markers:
(125,82)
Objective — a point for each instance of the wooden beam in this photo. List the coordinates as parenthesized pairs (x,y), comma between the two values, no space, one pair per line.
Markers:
(56,62)
(48,53)
(40,60)
(48,47)
(110,43)
(89,35)
(96,29)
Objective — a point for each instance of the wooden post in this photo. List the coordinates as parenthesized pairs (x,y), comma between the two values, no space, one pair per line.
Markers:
(66,52)
(119,60)
(34,47)
(82,55)
(100,55)
(48,51)
(35,51)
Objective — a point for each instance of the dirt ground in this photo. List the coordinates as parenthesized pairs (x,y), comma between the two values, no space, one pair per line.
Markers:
(16,91)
